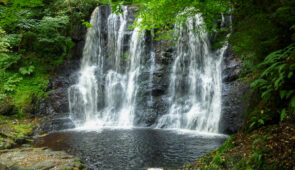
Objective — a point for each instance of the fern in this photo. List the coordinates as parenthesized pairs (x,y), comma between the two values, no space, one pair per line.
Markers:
(12,82)
(276,78)
(27,70)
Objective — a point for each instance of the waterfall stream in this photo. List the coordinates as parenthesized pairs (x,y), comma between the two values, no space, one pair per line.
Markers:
(195,81)
(116,64)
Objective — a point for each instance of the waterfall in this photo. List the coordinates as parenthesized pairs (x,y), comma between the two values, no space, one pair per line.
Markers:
(106,91)
(195,81)
(119,65)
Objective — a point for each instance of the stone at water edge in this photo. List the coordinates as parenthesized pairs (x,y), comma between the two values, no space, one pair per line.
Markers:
(27,157)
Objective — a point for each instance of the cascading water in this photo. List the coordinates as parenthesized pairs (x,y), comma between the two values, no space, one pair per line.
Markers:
(195,81)
(115,62)
(105,95)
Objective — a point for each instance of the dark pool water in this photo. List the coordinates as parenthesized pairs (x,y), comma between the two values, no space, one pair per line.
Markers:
(132,148)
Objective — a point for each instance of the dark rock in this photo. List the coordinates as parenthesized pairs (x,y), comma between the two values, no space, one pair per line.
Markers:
(235,95)
(59,100)
(235,103)
(232,66)
(79,33)
(54,123)
(6,108)
(43,108)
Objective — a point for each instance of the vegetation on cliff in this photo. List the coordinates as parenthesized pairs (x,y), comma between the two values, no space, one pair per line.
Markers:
(35,38)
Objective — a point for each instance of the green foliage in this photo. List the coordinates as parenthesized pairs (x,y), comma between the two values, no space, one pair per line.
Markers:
(260,28)
(27,70)
(161,15)
(49,40)
(16,11)
(11,83)
(87,24)
(8,59)
(35,38)
(276,80)
(259,149)
(4,45)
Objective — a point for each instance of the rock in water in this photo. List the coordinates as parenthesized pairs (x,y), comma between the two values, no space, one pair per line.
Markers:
(27,157)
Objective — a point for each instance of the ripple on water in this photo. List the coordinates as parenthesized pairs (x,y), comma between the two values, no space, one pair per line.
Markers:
(138,148)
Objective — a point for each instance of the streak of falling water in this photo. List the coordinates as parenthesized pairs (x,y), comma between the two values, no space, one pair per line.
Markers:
(195,82)
(107,96)
(151,74)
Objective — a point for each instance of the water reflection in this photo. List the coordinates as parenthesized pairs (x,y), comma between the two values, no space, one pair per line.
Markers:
(133,148)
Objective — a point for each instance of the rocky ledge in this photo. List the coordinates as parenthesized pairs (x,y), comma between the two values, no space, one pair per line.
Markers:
(14,131)
(28,157)
(13,155)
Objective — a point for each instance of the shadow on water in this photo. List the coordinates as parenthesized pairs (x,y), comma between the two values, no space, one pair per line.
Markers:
(132,148)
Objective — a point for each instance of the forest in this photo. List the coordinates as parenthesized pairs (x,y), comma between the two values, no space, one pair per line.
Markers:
(37,38)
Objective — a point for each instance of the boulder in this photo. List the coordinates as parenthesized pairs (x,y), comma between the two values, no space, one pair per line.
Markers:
(29,158)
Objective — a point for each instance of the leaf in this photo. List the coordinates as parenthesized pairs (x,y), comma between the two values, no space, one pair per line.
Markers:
(254,135)
(266,94)
(289,93)
(11,83)
(281,67)
(283,93)
(257,140)
(258,83)
(87,24)
(27,70)
(290,74)
(283,114)
(261,121)
(292,66)
(292,102)
(278,81)
(252,124)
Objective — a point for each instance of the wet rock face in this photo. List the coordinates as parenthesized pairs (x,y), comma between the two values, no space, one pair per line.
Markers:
(27,157)
(235,95)
(152,98)
(232,67)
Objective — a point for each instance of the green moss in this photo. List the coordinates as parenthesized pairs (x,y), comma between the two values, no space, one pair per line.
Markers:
(34,86)
(29,88)
(13,130)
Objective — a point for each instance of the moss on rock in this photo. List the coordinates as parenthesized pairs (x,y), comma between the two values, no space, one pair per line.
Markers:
(14,131)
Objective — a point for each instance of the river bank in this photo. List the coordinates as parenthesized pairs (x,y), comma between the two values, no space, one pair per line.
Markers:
(270,147)
(17,152)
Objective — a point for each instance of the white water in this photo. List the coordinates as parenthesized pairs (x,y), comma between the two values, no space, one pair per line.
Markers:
(151,74)
(106,92)
(195,82)
(120,87)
